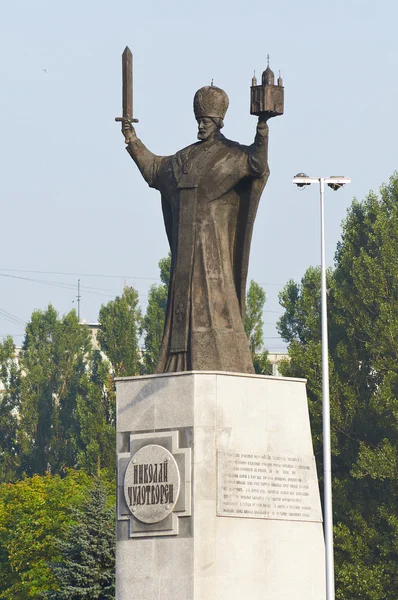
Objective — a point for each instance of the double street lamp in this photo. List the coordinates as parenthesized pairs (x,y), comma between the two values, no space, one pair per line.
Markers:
(301,180)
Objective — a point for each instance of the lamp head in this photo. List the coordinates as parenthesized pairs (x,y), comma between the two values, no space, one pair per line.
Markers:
(336,186)
(301,184)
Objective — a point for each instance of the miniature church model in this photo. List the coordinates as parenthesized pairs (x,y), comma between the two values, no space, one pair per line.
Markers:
(267,97)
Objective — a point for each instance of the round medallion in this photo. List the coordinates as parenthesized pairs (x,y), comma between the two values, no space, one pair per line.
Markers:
(151,483)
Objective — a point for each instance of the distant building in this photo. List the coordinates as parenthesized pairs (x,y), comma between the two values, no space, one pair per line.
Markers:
(275,358)
(93,328)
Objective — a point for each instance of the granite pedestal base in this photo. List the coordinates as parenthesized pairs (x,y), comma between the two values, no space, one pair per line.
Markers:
(247,521)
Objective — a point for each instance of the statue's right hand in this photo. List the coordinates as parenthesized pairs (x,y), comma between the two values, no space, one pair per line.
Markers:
(128,131)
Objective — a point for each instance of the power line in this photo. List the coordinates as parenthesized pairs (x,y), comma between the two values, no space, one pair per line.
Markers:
(63,285)
(12,318)
(87,289)
(68,286)
(81,274)
(70,274)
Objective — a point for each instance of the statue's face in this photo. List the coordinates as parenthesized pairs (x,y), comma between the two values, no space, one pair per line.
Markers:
(206,128)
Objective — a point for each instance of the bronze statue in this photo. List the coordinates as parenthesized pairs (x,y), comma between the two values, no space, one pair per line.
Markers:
(210,192)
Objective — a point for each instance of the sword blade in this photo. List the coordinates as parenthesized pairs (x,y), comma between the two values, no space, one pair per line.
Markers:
(127,77)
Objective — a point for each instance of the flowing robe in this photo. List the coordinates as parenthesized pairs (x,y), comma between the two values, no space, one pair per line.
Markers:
(210,193)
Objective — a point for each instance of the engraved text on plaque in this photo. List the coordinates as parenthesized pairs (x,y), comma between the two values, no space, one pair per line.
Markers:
(267,486)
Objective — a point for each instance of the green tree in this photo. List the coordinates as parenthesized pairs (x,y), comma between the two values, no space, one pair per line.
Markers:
(120,322)
(363,353)
(57,402)
(87,565)
(253,322)
(9,407)
(302,303)
(153,322)
(52,376)
(34,513)
(96,418)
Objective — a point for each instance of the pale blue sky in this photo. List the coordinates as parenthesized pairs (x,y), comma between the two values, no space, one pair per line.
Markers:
(72,199)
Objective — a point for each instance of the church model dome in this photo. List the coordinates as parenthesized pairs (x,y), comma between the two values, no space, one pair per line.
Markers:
(268,76)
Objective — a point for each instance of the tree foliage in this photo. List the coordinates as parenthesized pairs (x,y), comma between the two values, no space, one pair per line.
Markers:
(86,568)
(363,361)
(9,403)
(253,322)
(153,322)
(34,512)
(57,404)
(96,418)
(120,321)
(53,364)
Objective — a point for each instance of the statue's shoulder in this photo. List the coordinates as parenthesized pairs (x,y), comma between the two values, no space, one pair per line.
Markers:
(229,143)
(232,144)
(182,155)
(235,147)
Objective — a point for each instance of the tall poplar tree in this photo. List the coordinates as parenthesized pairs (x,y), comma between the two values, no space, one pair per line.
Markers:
(57,402)
(96,418)
(120,322)
(253,322)
(153,322)
(53,374)
(10,380)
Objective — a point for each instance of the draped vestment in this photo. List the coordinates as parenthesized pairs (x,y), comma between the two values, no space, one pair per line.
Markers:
(210,193)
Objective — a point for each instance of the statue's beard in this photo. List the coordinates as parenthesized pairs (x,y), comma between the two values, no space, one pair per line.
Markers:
(203,135)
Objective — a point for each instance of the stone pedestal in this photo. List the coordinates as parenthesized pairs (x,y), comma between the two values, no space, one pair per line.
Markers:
(217,489)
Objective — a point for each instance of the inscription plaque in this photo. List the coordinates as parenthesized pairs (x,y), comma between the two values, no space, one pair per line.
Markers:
(149,508)
(267,486)
(151,484)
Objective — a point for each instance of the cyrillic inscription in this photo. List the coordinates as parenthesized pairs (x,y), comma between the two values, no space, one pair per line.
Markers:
(151,484)
(267,486)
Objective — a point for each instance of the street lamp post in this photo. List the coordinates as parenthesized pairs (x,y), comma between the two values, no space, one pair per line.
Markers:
(335,183)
